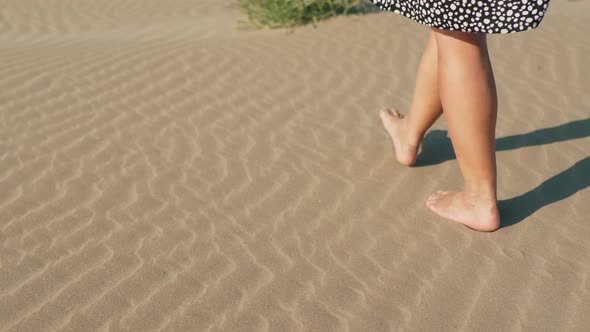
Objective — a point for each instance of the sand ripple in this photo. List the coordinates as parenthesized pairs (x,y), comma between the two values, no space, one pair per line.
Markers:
(162,170)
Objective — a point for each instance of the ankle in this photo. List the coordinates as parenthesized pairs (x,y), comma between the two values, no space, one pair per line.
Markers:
(413,137)
(481,194)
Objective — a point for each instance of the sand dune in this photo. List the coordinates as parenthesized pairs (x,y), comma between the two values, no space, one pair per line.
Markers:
(161,169)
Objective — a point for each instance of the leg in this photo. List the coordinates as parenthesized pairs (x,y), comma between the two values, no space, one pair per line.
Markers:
(407,133)
(468,95)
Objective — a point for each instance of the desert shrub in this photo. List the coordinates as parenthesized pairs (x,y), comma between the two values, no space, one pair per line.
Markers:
(288,13)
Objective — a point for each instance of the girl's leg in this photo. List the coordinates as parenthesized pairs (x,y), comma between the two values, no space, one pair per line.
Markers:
(468,95)
(407,133)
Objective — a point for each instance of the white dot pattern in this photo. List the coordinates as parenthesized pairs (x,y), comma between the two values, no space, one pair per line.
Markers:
(486,16)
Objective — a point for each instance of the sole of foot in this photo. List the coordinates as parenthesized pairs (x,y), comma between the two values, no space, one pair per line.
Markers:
(481,216)
(392,120)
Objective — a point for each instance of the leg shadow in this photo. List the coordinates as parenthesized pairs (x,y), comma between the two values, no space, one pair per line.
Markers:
(561,186)
(437,147)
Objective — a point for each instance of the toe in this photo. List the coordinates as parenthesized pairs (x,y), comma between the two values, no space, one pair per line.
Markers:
(395,112)
(386,112)
(435,197)
(385,116)
(437,194)
(431,204)
(432,198)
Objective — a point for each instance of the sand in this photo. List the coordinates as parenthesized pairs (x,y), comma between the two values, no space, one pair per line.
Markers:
(161,169)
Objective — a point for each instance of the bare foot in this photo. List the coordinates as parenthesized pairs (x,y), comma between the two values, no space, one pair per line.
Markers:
(405,152)
(478,214)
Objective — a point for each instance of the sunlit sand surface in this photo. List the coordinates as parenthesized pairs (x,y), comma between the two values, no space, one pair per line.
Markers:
(161,169)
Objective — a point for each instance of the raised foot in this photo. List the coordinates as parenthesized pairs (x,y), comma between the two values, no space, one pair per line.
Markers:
(478,214)
(393,123)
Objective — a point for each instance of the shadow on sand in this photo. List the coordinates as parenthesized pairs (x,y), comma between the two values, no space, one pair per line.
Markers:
(561,186)
(437,148)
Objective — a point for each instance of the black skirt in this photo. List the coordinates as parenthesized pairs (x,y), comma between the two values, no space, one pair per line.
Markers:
(487,16)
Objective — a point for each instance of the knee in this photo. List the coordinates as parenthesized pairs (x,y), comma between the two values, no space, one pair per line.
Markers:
(458,45)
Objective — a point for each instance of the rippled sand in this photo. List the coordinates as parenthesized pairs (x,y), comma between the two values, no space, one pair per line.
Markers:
(162,169)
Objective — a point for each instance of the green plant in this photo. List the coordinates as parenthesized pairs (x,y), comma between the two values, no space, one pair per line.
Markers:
(287,13)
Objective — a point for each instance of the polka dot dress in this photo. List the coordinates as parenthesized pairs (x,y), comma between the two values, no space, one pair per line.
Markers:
(487,16)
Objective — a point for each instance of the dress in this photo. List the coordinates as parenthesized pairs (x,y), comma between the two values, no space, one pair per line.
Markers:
(487,16)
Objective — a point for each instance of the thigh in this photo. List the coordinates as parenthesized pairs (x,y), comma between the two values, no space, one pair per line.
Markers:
(453,43)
